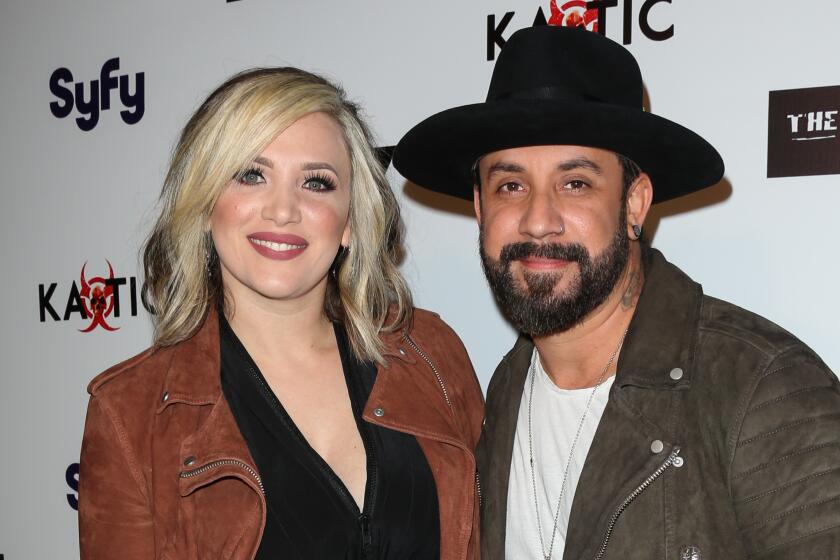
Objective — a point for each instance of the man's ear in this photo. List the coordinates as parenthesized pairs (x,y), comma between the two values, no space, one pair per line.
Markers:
(639,200)
(477,203)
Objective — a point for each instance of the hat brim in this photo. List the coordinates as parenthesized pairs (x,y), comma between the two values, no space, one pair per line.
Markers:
(439,152)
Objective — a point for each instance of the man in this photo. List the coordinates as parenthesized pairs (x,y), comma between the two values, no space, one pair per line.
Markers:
(636,418)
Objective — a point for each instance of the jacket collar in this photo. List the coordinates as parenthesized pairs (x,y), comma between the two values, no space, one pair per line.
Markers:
(662,333)
(193,373)
(193,378)
(660,344)
(661,337)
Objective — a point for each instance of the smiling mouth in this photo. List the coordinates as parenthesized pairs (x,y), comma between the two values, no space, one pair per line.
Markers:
(274,246)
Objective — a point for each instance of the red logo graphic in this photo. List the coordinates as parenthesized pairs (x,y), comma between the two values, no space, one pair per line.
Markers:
(98,299)
(574,14)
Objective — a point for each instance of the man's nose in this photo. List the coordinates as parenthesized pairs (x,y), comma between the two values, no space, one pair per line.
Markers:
(543,215)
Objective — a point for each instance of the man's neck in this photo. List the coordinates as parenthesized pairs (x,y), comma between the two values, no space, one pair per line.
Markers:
(579,357)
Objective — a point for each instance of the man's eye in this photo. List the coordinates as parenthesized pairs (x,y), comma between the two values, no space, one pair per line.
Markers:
(510,188)
(575,185)
(251,177)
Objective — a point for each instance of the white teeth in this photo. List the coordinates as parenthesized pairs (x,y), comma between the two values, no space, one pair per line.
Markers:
(275,246)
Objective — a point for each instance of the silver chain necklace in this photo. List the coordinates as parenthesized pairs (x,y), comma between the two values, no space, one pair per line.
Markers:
(532,373)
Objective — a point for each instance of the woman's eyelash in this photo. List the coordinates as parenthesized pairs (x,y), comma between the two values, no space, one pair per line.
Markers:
(327,182)
(253,172)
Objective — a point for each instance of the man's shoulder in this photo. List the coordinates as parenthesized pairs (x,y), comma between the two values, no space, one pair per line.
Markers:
(512,368)
(731,326)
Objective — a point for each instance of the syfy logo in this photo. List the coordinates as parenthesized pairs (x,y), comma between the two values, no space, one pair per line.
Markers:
(72,95)
(71,476)
(95,300)
(590,14)
(802,132)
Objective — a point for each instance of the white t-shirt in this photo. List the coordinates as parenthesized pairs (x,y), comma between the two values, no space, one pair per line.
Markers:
(555,416)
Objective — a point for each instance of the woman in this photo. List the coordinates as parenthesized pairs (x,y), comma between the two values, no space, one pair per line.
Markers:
(293,404)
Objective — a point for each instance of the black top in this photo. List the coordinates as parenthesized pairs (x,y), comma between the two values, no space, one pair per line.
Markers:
(311,514)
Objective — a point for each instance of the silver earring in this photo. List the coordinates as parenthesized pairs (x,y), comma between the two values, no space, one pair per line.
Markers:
(208,258)
(637,231)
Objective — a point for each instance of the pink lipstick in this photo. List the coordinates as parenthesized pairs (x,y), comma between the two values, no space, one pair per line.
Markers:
(277,246)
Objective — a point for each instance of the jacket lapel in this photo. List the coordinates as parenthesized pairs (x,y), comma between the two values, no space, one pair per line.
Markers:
(654,367)
(193,379)
(495,448)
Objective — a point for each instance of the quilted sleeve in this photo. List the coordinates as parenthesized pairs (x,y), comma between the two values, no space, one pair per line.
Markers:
(785,470)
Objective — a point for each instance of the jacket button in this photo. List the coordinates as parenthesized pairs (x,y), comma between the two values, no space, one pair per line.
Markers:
(657,446)
(676,374)
(165,397)
(378,412)
(402,351)
(189,461)
(678,462)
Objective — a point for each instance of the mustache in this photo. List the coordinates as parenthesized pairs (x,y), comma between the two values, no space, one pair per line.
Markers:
(567,252)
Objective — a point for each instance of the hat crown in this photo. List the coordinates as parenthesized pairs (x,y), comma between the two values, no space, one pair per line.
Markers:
(566,64)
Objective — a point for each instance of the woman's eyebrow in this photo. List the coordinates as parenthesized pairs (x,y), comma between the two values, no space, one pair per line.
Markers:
(264,161)
(314,166)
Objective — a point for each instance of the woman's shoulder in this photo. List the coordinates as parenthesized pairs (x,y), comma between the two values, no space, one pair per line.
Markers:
(428,323)
(432,333)
(125,376)
(446,350)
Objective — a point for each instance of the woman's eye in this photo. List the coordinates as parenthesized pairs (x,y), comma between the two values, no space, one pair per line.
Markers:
(319,183)
(251,177)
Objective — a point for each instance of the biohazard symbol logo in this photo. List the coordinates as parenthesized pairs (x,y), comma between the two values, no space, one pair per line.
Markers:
(98,299)
(574,14)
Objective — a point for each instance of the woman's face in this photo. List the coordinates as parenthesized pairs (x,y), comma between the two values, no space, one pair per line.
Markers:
(278,226)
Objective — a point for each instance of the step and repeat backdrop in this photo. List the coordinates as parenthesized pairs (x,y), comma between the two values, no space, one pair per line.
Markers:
(95,93)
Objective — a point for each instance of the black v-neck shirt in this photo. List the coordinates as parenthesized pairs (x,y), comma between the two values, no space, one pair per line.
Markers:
(311,514)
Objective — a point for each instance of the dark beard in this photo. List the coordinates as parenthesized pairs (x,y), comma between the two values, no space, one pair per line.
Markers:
(538,311)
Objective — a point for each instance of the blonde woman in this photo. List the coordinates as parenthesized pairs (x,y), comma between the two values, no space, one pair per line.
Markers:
(294,405)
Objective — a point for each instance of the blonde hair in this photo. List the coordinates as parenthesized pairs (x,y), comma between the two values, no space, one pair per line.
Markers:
(220,141)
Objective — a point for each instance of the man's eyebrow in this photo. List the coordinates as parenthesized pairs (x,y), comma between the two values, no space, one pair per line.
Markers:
(504,167)
(316,165)
(265,162)
(578,163)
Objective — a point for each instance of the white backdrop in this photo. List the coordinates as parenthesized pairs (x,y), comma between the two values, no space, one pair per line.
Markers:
(72,197)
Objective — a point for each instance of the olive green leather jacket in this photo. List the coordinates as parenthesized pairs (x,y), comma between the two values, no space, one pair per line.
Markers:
(750,422)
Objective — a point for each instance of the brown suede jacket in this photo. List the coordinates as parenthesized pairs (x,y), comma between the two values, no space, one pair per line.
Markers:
(165,472)
(720,439)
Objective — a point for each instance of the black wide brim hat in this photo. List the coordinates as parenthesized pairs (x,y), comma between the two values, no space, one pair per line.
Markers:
(558,86)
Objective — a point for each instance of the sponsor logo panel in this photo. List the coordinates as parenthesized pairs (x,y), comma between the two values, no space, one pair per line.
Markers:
(802,132)
(71,475)
(91,98)
(595,15)
(96,301)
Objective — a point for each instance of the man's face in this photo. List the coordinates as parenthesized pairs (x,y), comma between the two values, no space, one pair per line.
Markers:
(553,233)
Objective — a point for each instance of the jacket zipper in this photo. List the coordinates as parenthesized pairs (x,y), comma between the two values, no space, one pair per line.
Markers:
(434,369)
(222,462)
(478,488)
(630,498)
